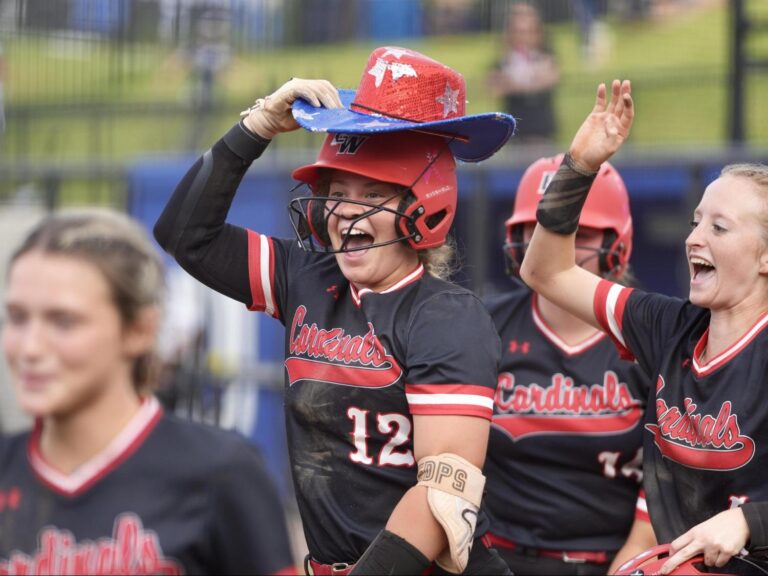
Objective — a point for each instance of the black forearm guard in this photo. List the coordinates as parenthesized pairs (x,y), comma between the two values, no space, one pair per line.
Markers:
(560,207)
(756,515)
(390,554)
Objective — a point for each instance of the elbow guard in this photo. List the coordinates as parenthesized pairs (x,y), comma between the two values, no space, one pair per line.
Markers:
(454,491)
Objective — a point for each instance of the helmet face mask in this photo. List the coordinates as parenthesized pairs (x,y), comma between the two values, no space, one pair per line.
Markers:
(606,209)
(422,164)
(609,255)
(309,218)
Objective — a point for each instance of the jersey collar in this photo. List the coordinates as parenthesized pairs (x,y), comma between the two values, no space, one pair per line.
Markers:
(119,449)
(730,352)
(551,335)
(412,277)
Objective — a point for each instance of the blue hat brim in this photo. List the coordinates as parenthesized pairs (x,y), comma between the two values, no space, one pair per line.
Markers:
(477,137)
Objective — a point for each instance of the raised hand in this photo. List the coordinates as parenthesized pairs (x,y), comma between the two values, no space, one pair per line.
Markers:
(603,132)
(272,114)
(718,539)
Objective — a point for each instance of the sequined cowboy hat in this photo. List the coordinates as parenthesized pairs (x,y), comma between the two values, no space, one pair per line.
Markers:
(402,89)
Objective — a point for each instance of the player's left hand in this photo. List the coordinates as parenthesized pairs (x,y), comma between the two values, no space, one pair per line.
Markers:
(718,539)
(606,128)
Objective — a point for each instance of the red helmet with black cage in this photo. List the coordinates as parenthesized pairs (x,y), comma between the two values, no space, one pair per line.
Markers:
(422,164)
(606,208)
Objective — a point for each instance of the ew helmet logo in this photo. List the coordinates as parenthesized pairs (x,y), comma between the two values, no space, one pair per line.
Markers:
(348,143)
(546,178)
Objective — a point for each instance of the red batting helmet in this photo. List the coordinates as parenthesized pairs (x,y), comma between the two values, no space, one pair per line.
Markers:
(651,561)
(421,163)
(606,208)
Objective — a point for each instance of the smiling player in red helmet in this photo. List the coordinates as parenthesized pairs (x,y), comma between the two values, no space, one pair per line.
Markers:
(563,474)
(606,211)
(420,166)
(390,369)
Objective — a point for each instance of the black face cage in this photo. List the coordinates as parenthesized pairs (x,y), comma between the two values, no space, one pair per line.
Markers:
(311,226)
(514,252)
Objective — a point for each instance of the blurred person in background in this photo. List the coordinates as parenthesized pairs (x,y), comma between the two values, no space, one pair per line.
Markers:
(706,434)
(205,55)
(390,368)
(591,30)
(527,75)
(209,53)
(107,482)
(565,451)
(3,73)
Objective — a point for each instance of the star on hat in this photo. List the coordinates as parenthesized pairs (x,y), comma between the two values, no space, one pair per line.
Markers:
(449,100)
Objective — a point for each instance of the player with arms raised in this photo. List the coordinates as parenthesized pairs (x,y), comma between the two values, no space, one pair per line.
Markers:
(707,437)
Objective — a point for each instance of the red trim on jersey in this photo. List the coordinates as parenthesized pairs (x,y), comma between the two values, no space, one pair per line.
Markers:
(609,302)
(451,410)
(289,571)
(550,334)
(725,356)
(641,507)
(568,556)
(450,399)
(122,446)
(412,277)
(519,426)
(345,375)
(261,274)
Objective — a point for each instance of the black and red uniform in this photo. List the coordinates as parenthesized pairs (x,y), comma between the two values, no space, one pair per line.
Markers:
(706,442)
(167,496)
(564,460)
(359,364)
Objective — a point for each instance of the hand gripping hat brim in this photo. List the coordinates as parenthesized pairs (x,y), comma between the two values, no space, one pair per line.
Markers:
(404,90)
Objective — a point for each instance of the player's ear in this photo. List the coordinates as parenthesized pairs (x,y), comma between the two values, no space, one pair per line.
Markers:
(763,259)
(139,336)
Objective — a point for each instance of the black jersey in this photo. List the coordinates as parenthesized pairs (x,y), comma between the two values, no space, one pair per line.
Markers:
(564,459)
(359,364)
(706,443)
(167,496)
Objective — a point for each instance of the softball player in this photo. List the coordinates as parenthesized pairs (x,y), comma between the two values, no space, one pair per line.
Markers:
(390,370)
(707,439)
(564,458)
(106,483)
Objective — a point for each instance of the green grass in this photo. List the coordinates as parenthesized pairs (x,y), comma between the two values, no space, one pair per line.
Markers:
(678,67)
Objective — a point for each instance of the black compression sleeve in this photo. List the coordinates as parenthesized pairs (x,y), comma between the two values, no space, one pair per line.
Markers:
(756,515)
(390,554)
(192,227)
(560,207)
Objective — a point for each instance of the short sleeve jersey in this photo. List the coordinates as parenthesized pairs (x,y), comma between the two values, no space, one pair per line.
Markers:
(167,496)
(706,441)
(564,460)
(360,365)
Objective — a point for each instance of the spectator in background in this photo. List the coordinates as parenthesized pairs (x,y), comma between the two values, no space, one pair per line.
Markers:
(210,54)
(526,75)
(595,40)
(206,57)
(107,482)
(2,95)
